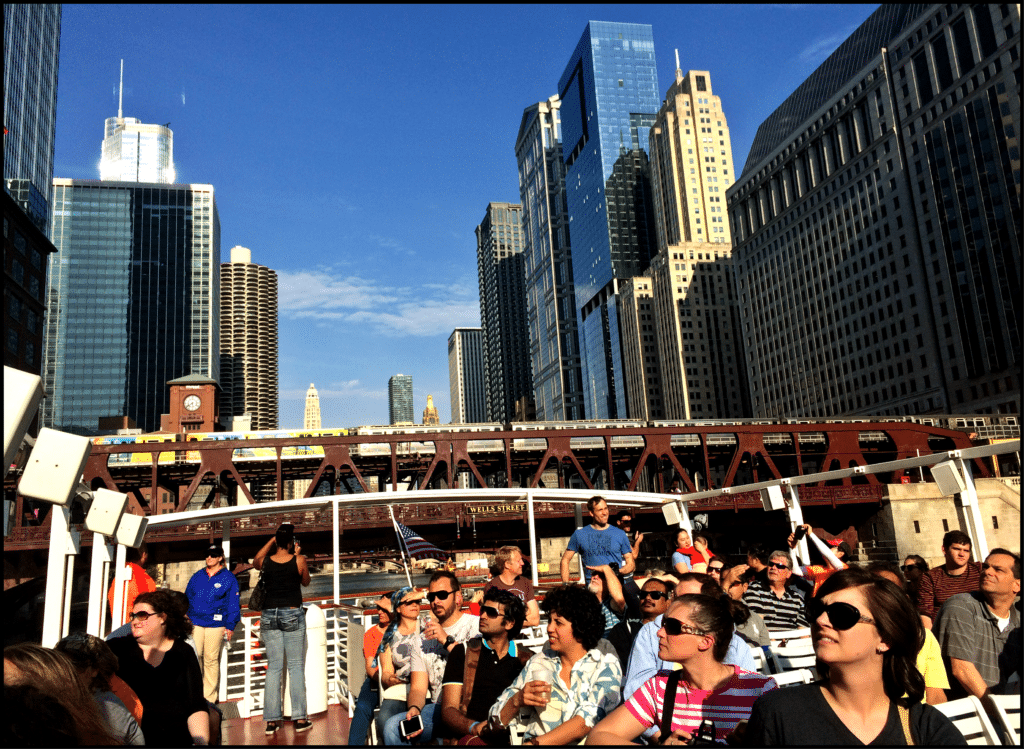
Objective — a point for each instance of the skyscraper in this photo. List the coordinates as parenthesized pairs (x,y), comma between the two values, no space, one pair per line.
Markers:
(134,151)
(609,95)
(466,375)
(248,341)
(878,220)
(31,54)
(430,415)
(400,399)
(499,262)
(132,300)
(310,421)
(644,394)
(696,310)
(550,298)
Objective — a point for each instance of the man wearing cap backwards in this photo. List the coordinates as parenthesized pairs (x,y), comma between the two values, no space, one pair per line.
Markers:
(214,609)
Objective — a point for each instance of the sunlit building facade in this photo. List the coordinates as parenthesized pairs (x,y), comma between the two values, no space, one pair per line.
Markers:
(400,399)
(877,223)
(136,152)
(466,376)
(609,98)
(550,298)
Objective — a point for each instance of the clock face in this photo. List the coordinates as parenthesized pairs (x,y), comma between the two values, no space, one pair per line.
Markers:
(192,402)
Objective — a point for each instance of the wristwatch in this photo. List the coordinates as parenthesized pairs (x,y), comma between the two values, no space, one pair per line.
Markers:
(449,641)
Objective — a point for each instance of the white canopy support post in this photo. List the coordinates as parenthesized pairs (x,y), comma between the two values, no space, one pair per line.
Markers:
(972,512)
(98,573)
(225,539)
(533,536)
(800,554)
(336,522)
(122,574)
(62,544)
(684,520)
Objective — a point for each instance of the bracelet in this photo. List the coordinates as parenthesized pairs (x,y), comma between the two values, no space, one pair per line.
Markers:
(474,726)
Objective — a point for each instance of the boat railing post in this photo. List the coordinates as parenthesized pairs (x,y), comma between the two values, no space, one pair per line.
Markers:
(336,520)
(533,536)
(97,582)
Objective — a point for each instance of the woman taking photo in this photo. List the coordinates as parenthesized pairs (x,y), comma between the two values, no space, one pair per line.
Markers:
(710,696)
(866,637)
(283,625)
(162,669)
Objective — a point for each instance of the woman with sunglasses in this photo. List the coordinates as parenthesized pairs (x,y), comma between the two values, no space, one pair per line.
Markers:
(710,696)
(162,669)
(866,636)
(400,642)
(913,568)
(283,625)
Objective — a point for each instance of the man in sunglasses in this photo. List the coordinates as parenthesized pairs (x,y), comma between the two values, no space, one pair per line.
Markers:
(780,605)
(957,575)
(655,596)
(979,632)
(440,635)
(482,668)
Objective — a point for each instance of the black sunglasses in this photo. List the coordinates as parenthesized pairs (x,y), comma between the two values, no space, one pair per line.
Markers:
(778,566)
(675,627)
(712,570)
(441,595)
(907,567)
(655,595)
(842,616)
(140,615)
(491,612)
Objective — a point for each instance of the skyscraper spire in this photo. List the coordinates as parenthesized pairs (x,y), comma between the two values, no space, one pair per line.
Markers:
(120,93)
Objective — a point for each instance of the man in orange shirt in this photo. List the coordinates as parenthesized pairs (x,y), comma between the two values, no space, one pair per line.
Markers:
(139,582)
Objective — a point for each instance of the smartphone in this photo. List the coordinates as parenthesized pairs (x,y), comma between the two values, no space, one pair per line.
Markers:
(799,533)
(407,727)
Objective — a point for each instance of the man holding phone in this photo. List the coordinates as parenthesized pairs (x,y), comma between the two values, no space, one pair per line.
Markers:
(439,636)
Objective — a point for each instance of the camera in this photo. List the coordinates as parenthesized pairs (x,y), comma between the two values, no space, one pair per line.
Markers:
(799,533)
(705,735)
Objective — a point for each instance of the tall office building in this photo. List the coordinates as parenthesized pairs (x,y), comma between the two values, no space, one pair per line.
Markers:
(877,223)
(499,262)
(134,151)
(31,54)
(310,420)
(697,315)
(400,399)
(640,364)
(609,95)
(466,376)
(248,341)
(550,298)
(132,300)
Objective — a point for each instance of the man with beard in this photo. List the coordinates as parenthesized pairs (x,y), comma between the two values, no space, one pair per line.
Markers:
(655,596)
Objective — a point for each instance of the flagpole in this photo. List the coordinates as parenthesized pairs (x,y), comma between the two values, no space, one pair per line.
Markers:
(401,544)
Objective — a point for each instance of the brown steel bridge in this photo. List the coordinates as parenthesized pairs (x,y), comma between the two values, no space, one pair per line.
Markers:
(691,456)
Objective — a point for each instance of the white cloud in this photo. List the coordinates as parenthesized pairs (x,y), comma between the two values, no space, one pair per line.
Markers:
(428,310)
(819,50)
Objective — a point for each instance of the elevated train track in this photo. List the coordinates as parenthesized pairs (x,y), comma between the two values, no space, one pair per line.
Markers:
(622,455)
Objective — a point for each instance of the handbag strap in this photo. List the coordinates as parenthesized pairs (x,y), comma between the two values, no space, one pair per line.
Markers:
(473,650)
(669,708)
(905,721)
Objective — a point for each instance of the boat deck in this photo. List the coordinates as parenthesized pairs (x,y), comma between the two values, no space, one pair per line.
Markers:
(328,728)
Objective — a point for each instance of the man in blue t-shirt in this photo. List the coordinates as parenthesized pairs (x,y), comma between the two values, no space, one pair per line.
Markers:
(597,544)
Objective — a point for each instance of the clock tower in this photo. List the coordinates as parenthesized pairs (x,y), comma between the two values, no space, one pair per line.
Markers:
(194,405)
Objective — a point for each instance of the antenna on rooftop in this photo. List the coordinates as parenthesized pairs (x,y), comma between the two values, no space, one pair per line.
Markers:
(677,59)
(120,92)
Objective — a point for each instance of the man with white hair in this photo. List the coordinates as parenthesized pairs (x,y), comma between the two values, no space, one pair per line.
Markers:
(779,604)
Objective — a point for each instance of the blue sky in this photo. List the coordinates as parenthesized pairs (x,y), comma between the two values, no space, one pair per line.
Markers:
(354,149)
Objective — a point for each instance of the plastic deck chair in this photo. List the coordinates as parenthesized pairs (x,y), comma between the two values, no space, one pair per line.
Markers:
(790,678)
(1007,710)
(970,718)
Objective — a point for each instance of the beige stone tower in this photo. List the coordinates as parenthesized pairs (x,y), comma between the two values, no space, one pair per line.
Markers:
(310,420)
(430,412)
(696,311)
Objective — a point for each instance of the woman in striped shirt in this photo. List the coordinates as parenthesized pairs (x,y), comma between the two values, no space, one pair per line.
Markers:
(695,633)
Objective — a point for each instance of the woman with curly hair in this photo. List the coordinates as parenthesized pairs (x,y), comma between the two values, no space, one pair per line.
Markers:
(163,670)
(54,674)
(866,637)
(571,684)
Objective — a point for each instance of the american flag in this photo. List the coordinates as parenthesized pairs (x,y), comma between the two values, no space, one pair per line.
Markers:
(418,547)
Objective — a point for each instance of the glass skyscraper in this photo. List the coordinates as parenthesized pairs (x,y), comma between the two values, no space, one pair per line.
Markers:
(31,54)
(132,299)
(400,399)
(610,98)
(136,152)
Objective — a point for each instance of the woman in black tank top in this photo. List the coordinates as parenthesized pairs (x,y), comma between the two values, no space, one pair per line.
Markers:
(283,625)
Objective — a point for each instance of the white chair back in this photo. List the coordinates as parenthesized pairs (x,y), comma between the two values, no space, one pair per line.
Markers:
(783,637)
(1007,710)
(789,678)
(796,653)
(970,718)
